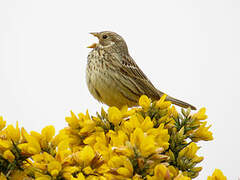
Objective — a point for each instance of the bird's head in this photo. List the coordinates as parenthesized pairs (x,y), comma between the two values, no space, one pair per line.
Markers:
(108,39)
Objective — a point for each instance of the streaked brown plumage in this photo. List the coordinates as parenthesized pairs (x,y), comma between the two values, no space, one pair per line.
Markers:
(114,78)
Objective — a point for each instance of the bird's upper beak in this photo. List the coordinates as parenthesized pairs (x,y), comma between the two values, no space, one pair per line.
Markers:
(96,35)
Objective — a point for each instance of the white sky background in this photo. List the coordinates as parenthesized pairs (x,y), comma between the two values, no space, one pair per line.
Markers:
(188,49)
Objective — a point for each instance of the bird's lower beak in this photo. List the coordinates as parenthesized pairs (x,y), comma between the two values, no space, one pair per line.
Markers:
(92,46)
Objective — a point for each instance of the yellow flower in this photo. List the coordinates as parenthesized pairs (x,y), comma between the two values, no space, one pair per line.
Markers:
(137,177)
(88,170)
(127,112)
(94,138)
(200,115)
(44,177)
(5,144)
(136,137)
(61,136)
(132,123)
(36,135)
(85,156)
(86,123)
(45,138)
(88,127)
(46,163)
(182,177)
(69,171)
(146,124)
(217,175)
(2,123)
(145,102)
(173,170)
(122,165)
(13,133)
(190,153)
(173,112)
(162,99)
(145,144)
(136,121)
(162,104)
(9,155)
(73,121)
(63,145)
(161,136)
(121,144)
(114,115)
(80,176)
(202,133)
(48,132)
(63,152)
(54,167)
(103,168)
(118,139)
(18,175)
(32,146)
(187,159)
(39,157)
(103,147)
(161,172)
(2,176)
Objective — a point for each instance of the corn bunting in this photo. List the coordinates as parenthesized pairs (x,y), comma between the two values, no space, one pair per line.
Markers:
(114,78)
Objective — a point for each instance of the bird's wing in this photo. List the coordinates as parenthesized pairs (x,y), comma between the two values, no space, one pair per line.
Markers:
(132,68)
(127,67)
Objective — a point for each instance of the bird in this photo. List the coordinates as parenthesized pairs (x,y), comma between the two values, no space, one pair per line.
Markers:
(114,78)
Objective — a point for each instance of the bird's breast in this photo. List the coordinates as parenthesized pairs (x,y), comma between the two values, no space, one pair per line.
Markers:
(104,81)
(97,75)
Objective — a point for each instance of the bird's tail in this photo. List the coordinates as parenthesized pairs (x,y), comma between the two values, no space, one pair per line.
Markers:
(180,103)
(177,102)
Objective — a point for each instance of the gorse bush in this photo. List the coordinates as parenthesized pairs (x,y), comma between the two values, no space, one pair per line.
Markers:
(152,141)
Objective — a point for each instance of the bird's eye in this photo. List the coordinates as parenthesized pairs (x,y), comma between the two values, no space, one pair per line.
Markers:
(104,36)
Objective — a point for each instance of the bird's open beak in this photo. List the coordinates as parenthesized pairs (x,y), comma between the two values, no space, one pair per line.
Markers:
(94,44)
